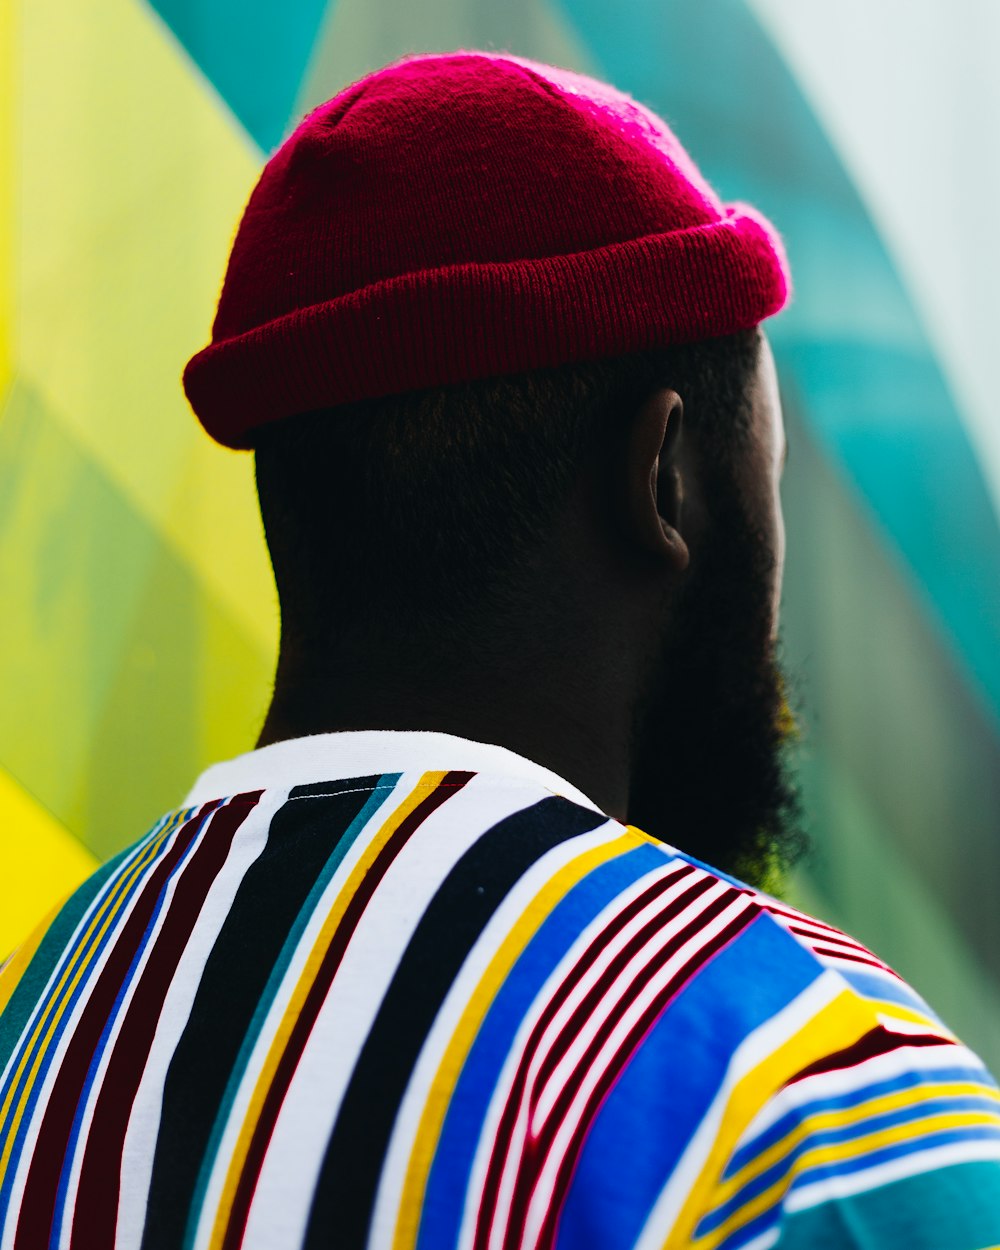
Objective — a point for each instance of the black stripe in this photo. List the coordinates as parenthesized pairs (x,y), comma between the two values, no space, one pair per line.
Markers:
(454,919)
(300,840)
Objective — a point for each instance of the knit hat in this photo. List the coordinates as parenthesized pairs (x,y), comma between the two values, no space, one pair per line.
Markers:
(457,216)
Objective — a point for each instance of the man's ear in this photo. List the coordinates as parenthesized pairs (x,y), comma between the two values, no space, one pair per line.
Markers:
(654,481)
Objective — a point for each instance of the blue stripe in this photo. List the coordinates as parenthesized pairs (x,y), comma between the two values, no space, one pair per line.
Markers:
(885,988)
(759,1225)
(836,1102)
(673,1079)
(166,827)
(451,1167)
(834,1135)
(899,1150)
(102,1043)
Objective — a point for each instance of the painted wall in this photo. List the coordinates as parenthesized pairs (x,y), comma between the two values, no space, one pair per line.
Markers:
(138,621)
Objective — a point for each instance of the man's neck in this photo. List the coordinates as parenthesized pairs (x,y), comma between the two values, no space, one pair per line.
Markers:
(570,731)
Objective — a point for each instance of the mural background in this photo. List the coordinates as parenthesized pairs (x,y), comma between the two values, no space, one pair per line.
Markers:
(139,623)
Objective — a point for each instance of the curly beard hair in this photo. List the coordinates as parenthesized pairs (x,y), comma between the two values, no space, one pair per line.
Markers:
(713,775)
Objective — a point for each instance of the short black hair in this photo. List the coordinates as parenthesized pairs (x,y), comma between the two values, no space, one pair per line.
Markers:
(419,507)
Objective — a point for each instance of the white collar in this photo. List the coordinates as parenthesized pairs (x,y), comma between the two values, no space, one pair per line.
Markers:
(366,753)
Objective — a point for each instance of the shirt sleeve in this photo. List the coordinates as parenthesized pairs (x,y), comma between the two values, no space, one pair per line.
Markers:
(893,1141)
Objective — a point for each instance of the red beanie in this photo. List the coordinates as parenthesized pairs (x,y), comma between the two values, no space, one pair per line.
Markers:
(458,216)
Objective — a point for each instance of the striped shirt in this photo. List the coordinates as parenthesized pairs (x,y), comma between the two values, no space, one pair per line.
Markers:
(409,992)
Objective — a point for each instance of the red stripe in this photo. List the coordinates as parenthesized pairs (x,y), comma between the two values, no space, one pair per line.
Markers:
(586,961)
(96,1211)
(603,986)
(537,1148)
(870,960)
(878,1041)
(540,1147)
(799,916)
(831,938)
(315,997)
(38,1205)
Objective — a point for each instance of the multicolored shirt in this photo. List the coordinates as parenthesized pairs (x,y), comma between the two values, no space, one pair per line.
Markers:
(409,992)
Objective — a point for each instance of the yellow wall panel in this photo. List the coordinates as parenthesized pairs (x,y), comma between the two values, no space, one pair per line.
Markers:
(7,99)
(42,863)
(133,179)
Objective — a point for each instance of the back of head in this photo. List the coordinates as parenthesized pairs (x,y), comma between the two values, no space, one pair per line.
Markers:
(447,281)
(436,502)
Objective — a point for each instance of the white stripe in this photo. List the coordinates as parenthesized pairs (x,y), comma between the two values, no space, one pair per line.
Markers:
(620,988)
(501,1092)
(121,1011)
(911,1028)
(919,1060)
(811,1195)
(282,1198)
(799,917)
(525,1124)
(70,1022)
(391,796)
(619,1039)
(864,959)
(764,1241)
(144,1118)
(510,911)
(812,934)
(751,1052)
(897,989)
(832,939)
(374,752)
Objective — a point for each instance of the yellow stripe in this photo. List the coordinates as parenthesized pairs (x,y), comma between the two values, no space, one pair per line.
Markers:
(871,1142)
(843,1118)
(868,1143)
(48,1019)
(838,1024)
(439,1096)
(427,784)
(909,1015)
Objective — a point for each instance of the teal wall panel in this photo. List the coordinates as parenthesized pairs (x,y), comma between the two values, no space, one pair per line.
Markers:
(253,52)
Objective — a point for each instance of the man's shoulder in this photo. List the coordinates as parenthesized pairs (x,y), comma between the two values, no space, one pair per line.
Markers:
(595,879)
(760,935)
(690,1054)
(773,1066)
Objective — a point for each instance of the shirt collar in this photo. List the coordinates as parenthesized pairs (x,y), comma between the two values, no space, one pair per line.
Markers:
(366,753)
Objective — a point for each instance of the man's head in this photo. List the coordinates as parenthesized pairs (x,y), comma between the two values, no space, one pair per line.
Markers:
(619,519)
(518,438)
(711,769)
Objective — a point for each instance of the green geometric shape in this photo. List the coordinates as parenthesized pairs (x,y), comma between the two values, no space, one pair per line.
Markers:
(253,52)
(156,679)
(713,71)
(899,764)
(358,36)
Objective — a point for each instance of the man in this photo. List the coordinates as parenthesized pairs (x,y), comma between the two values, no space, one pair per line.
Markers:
(410,974)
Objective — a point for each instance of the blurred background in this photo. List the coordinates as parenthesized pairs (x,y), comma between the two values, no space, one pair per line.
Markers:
(138,620)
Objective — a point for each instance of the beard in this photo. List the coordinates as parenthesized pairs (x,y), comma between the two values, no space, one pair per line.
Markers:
(713,775)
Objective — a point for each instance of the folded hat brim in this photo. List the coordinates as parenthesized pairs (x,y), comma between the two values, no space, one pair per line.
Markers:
(478,319)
